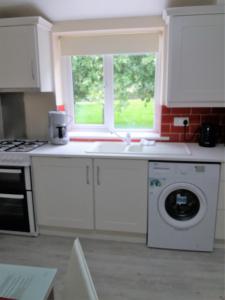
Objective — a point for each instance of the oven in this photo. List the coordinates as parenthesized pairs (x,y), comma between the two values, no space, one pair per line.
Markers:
(16,202)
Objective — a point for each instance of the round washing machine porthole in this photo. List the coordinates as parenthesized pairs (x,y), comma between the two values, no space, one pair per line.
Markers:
(182,205)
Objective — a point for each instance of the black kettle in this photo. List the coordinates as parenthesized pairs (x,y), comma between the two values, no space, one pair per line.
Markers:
(208,135)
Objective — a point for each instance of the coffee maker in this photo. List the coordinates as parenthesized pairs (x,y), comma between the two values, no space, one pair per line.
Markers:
(57,127)
(208,135)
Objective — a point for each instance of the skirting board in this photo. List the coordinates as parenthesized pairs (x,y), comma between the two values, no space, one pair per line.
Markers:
(105,235)
(93,234)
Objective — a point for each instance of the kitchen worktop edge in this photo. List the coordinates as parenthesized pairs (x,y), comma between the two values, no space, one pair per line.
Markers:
(201,154)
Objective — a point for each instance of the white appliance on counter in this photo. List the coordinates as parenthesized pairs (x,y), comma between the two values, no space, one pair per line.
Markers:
(57,127)
(17,210)
(182,205)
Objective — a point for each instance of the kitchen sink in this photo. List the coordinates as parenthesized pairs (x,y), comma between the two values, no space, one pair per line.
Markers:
(139,149)
(107,147)
(159,149)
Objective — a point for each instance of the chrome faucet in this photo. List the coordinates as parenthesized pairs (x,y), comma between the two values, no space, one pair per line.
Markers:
(126,139)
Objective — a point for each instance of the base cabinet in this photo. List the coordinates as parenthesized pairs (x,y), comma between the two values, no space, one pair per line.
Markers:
(102,194)
(63,192)
(220,226)
(121,195)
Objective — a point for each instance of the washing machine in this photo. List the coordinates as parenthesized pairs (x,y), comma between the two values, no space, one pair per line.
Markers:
(182,205)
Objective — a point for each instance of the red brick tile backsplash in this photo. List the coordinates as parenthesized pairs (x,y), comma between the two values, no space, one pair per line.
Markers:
(197,115)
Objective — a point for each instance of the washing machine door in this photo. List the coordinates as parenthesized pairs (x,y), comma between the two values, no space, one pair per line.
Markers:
(182,205)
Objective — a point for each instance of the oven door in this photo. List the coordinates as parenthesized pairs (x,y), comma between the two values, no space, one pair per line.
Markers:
(12,179)
(16,212)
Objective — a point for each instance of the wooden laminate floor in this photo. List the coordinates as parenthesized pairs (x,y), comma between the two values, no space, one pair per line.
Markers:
(125,271)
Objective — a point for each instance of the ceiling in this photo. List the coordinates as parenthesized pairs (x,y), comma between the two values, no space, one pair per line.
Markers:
(61,10)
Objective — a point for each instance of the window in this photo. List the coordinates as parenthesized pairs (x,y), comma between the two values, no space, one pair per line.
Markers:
(111,80)
(133,89)
(113,92)
(88,90)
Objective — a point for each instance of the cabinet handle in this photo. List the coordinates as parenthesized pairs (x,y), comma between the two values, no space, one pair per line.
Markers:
(11,171)
(32,69)
(11,196)
(98,176)
(87,174)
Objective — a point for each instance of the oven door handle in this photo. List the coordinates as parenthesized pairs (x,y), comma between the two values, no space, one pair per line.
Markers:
(11,196)
(11,171)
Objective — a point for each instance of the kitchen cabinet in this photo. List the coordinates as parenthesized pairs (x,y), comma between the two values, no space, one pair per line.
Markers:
(69,192)
(121,195)
(220,226)
(63,191)
(25,54)
(195,42)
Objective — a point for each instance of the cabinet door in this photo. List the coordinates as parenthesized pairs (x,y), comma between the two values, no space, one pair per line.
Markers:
(121,195)
(195,61)
(18,57)
(220,224)
(63,192)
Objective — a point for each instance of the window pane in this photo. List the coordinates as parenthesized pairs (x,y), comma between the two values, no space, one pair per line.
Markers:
(134,83)
(88,89)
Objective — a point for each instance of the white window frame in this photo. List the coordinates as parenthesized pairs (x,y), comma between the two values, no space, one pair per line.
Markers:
(108,126)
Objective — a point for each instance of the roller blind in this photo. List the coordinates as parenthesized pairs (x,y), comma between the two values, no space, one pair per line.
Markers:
(110,44)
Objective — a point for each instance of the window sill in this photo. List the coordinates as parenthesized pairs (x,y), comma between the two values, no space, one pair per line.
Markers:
(107,136)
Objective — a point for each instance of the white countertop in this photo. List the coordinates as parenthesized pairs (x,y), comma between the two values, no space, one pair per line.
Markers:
(78,149)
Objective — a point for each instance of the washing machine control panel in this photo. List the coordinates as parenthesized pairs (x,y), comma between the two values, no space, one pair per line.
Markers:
(156,182)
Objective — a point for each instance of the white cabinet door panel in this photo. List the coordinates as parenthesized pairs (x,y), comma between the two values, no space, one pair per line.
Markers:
(18,60)
(220,225)
(223,171)
(221,201)
(64,192)
(121,195)
(195,61)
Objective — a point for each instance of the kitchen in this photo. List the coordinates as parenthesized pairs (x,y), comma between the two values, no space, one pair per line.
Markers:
(111,184)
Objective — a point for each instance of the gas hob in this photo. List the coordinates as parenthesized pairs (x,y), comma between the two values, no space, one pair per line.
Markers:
(20,145)
(16,152)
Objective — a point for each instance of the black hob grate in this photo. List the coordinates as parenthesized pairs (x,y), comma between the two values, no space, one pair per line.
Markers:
(20,145)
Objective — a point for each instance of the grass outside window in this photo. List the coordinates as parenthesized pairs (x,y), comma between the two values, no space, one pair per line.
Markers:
(136,114)
(121,86)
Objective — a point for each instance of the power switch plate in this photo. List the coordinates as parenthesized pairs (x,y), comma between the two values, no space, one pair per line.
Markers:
(179,121)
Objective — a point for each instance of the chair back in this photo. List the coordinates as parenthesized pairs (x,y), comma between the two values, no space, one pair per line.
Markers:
(78,282)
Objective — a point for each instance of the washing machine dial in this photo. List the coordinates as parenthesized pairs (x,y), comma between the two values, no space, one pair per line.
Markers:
(154,182)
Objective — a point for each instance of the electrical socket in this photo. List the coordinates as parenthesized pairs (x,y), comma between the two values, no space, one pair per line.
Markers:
(179,121)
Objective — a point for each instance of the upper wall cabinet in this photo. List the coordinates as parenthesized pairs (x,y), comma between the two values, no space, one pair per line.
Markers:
(25,54)
(195,56)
